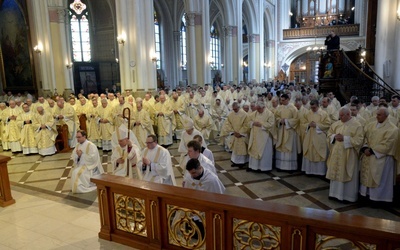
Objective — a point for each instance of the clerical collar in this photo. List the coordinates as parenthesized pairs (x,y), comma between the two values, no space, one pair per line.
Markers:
(199,177)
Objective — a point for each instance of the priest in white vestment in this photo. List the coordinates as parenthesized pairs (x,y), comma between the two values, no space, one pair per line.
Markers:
(87,164)
(187,135)
(236,132)
(377,159)
(45,132)
(201,178)
(204,123)
(141,124)
(287,146)
(25,122)
(262,124)
(126,157)
(157,164)
(345,139)
(165,121)
(194,152)
(65,114)
(315,148)
(106,124)
(205,151)
(12,131)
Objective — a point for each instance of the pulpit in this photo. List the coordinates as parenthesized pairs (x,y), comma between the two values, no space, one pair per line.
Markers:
(5,190)
(82,122)
(62,139)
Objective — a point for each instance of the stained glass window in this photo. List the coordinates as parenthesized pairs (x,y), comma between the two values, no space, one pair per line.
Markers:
(183,42)
(80,35)
(214,48)
(157,39)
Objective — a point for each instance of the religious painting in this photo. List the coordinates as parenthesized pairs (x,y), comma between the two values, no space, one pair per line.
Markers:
(15,65)
(328,67)
(86,78)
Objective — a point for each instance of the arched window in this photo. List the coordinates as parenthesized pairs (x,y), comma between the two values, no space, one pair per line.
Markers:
(80,35)
(157,39)
(183,42)
(214,48)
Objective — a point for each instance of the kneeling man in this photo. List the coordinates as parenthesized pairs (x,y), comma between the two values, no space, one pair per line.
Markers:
(87,163)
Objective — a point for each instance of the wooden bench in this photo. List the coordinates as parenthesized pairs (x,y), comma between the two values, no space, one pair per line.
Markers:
(82,122)
(62,139)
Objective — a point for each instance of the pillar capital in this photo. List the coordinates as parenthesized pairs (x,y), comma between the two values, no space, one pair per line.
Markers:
(254,38)
(190,18)
(230,30)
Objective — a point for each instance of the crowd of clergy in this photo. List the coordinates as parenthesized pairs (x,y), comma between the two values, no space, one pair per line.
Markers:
(284,126)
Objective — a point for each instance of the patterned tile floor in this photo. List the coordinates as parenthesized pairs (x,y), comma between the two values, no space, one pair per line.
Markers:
(49,178)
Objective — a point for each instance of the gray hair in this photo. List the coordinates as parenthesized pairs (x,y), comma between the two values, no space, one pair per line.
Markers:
(345,110)
(386,110)
(260,104)
(375,98)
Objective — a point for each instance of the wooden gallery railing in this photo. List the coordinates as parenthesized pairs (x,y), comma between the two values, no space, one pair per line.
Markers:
(154,216)
(321,31)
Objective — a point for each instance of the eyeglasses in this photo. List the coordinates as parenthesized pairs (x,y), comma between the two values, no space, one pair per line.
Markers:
(149,142)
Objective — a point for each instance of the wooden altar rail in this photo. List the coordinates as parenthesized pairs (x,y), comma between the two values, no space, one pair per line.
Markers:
(6,198)
(135,213)
(321,31)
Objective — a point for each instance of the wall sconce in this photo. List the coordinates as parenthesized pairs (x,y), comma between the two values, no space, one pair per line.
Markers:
(116,60)
(121,39)
(244,64)
(267,65)
(69,65)
(38,49)
(222,65)
(154,59)
(363,53)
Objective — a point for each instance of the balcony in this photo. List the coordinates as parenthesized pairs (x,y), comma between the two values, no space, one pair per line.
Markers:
(321,31)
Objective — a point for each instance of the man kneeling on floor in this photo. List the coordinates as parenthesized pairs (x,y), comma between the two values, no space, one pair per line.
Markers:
(87,163)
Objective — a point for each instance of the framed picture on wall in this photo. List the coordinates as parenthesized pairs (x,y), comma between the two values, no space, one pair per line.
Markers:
(16,65)
(86,78)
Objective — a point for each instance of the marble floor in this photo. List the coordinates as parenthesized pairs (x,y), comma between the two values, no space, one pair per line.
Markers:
(47,216)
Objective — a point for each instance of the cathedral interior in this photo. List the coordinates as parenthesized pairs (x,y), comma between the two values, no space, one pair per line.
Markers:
(63,47)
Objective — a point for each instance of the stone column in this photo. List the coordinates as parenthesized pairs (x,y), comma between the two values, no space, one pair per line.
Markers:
(396,64)
(386,43)
(177,70)
(237,60)
(46,68)
(205,29)
(60,27)
(201,51)
(135,22)
(254,57)
(191,48)
(228,61)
